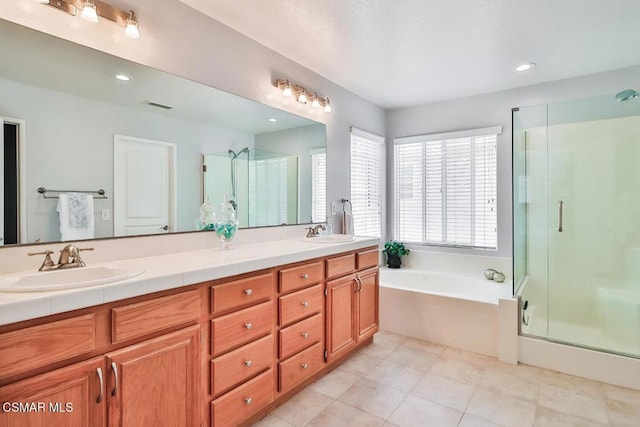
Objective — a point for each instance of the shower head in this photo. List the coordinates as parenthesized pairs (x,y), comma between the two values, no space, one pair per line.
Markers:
(627,94)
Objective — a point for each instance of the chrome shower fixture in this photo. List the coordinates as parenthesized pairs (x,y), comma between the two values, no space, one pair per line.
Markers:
(627,94)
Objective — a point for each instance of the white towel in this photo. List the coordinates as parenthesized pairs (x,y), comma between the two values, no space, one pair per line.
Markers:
(76,216)
(347,223)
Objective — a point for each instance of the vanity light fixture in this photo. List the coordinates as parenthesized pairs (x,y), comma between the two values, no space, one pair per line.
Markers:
(302,95)
(90,10)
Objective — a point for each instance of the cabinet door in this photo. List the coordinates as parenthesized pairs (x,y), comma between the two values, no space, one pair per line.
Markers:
(156,383)
(72,397)
(341,332)
(367,303)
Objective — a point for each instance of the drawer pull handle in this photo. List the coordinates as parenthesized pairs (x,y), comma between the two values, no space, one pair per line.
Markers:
(305,276)
(115,375)
(305,303)
(248,292)
(248,325)
(248,400)
(305,335)
(99,371)
(304,366)
(248,363)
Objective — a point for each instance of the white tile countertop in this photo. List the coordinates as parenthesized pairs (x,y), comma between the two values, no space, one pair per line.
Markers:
(169,271)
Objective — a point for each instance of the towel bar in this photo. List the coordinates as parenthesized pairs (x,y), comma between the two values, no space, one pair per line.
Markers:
(101,193)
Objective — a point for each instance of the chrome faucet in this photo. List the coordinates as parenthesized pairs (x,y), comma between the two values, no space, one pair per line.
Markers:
(69,258)
(314,231)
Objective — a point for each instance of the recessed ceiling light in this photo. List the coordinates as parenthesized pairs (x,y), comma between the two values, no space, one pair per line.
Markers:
(273,120)
(525,67)
(122,77)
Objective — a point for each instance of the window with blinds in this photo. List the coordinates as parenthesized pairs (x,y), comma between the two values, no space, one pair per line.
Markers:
(445,188)
(268,191)
(318,185)
(366,179)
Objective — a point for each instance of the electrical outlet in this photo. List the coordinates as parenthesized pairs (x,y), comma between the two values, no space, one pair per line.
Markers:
(105,214)
(334,208)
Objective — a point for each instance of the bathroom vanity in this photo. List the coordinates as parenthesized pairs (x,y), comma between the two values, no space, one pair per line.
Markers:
(218,352)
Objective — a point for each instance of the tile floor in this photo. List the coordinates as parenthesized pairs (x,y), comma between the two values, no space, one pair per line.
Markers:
(400,381)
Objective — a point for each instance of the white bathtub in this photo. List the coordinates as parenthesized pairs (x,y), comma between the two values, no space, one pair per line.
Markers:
(457,310)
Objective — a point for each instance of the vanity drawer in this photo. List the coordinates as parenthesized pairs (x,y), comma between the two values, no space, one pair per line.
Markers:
(367,259)
(300,367)
(244,401)
(301,304)
(300,277)
(238,365)
(136,320)
(235,329)
(241,293)
(341,265)
(38,346)
(300,335)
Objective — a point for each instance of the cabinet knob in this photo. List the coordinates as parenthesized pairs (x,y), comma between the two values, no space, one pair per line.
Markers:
(305,335)
(304,366)
(248,400)
(248,363)
(305,276)
(248,325)
(248,292)
(305,303)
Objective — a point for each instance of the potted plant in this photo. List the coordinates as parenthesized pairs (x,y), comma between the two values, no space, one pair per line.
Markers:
(395,251)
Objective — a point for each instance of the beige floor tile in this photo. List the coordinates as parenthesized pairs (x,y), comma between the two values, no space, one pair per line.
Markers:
(361,363)
(623,414)
(335,383)
(384,337)
(340,414)
(457,370)
(372,397)
(396,376)
(444,391)
(425,345)
(546,417)
(505,379)
(383,344)
(501,409)
(622,394)
(302,407)
(272,421)
(414,411)
(476,359)
(469,420)
(412,357)
(580,385)
(572,401)
(388,424)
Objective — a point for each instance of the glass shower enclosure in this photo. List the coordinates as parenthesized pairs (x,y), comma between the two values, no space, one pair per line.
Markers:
(576,218)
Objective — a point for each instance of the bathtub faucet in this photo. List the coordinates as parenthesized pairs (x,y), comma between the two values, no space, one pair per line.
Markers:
(494,275)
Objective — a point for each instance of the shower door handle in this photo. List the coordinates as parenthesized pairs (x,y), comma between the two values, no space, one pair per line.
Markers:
(560,216)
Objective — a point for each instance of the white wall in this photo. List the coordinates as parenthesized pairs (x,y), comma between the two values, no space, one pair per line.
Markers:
(495,109)
(182,41)
(70,147)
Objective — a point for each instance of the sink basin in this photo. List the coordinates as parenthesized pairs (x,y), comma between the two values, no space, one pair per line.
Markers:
(331,238)
(81,277)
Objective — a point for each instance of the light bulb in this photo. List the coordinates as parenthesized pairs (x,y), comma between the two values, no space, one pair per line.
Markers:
(89,12)
(327,106)
(131,30)
(287,90)
(302,98)
(315,103)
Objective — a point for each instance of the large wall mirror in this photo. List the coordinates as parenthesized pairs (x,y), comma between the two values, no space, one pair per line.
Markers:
(157,145)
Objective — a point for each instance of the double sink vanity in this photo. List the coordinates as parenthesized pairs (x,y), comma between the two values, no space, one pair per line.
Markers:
(199,338)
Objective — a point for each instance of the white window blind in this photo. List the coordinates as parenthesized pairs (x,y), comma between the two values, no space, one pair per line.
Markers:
(445,188)
(268,190)
(366,178)
(318,185)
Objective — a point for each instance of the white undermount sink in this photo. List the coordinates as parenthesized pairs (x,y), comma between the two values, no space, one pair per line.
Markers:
(80,277)
(330,238)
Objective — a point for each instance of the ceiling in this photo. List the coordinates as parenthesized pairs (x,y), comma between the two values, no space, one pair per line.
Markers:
(398,53)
